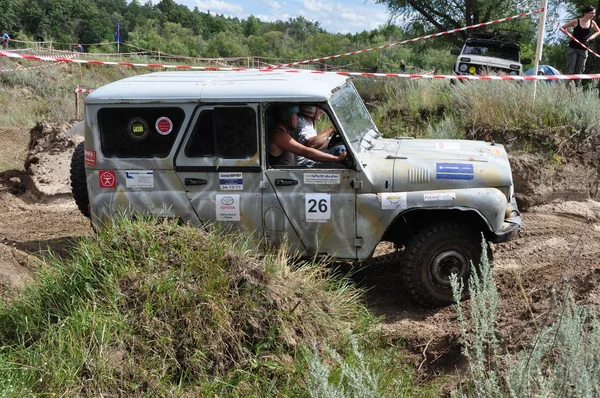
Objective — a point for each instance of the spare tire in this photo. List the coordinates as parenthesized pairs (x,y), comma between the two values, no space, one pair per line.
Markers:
(79,180)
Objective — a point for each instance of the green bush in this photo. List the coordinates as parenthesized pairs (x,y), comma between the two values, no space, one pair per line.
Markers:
(562,360)
(152,308)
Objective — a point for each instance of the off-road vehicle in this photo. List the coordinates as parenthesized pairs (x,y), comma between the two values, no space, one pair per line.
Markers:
(487,53)
(191,146)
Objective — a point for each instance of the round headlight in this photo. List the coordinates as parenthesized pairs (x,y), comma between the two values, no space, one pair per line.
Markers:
(472,70)
(463,67)
(513,73)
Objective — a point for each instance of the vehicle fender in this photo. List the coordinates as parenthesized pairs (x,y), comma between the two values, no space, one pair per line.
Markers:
(377,212)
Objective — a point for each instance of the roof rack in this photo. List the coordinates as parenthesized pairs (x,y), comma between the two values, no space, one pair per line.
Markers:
(506,35)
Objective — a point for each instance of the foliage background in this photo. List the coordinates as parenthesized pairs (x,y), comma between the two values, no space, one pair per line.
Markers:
(175,29)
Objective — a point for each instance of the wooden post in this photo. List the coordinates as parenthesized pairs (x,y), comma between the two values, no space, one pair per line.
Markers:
(540,44)
(76,101)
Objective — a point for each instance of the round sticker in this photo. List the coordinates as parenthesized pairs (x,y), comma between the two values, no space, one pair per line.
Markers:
(164,125)
(138,128)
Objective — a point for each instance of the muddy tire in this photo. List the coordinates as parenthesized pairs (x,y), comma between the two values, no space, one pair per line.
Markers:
(79,181)
(432,255)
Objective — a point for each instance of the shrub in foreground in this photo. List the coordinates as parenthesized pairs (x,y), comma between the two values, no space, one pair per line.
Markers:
(562,360)
(152,308)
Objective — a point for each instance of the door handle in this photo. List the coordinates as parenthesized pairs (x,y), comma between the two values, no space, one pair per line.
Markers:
(195,181)
(282,182)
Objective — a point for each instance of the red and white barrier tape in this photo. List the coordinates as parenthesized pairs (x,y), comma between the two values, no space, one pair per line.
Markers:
(577,41)
(83,90)
(265,70)
(96,62)
(407,41)
(67,56)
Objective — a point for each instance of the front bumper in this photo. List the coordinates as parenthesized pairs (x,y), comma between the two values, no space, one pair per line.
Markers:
(510,229)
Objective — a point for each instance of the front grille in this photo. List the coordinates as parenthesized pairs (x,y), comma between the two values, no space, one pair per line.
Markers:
(418,176)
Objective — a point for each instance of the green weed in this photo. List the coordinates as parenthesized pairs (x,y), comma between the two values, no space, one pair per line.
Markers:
(148,307)
(562,360)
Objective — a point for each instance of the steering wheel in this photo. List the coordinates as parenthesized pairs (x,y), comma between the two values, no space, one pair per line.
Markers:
(335,139)
(348,161)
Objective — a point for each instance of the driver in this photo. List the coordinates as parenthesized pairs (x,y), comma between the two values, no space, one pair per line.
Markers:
(308,135)
(282,146)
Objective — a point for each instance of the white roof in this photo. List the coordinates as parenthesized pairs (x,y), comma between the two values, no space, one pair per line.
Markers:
(241,86)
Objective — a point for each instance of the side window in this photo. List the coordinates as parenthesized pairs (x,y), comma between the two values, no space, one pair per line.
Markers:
(202,141)
(227,132)
(139,132)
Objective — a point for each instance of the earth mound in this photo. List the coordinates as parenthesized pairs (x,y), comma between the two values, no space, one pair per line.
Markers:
(556,251)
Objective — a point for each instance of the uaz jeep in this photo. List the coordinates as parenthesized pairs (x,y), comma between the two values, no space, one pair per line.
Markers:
(192,146)
(485,54)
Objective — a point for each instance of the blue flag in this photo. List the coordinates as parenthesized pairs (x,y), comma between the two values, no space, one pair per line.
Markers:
(118,33)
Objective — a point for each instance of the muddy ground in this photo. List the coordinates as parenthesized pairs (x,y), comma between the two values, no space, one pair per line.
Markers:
(558,249)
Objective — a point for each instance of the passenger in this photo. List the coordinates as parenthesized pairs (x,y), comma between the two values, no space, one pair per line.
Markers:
(308,135)
(585,30)
(282,146)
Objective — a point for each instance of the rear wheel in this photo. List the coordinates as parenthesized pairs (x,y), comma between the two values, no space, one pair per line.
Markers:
(79,180)
(435,253)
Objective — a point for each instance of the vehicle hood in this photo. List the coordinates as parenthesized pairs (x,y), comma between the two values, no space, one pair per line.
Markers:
(416,165)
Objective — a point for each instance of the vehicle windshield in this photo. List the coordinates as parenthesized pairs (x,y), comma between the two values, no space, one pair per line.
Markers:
(354,117)
(497,50)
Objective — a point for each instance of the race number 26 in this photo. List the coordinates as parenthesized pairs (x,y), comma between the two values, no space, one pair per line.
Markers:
(318,207)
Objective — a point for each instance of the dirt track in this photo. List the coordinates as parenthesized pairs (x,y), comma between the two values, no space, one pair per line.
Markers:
(557,250)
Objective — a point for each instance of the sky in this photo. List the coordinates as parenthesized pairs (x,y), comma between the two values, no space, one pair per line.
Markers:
(335,16)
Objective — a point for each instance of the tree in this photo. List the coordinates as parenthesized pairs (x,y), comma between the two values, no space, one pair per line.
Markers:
(252,26)
(9,15)
(443,15)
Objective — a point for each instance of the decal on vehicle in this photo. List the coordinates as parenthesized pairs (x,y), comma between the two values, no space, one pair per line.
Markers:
(444,146)
(107,179)
(138,128)
(139,179)
(318,207)
(164,125)
(393,200)
(433,197)
(454,171)
(89,157)
(497,152)
(228,207)
(322,178)
(231,181)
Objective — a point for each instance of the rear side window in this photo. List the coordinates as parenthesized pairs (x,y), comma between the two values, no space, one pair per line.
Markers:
(139,132)
(227,132)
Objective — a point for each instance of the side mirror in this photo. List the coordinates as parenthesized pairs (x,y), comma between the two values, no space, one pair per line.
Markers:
(455,51)
(526,61)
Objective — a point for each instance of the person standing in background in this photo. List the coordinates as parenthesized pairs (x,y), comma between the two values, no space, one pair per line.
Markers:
(5,40)
(585,30)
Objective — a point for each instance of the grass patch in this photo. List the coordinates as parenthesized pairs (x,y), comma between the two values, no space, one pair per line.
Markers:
(559,121)
(149,307)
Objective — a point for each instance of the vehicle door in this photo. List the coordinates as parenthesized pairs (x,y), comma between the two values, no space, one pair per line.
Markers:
(319,204)
(218,163)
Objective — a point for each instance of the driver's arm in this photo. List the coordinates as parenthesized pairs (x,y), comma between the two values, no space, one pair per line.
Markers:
(321,140)
(288,144)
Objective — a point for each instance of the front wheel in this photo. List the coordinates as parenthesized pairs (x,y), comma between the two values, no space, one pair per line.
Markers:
(435,253)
